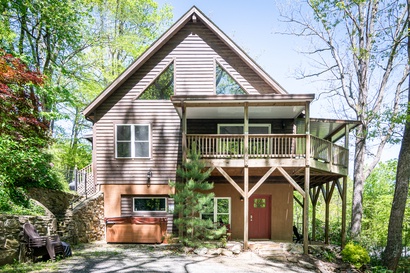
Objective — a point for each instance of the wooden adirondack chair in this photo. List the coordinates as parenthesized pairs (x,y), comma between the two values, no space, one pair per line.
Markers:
(41,245)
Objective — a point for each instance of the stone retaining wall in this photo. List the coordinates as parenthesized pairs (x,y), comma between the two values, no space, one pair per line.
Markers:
(82,224)
(11,230)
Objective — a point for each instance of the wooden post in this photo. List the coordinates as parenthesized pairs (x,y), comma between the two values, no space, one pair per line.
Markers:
(246,177)
(307,181)
(184,152)
(314,196)
(183,125)
(327,215)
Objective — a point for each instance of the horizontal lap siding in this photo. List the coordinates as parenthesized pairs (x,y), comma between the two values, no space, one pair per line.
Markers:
(165,143)
(193,50)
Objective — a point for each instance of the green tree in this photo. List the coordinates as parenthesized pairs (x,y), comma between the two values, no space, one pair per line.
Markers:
(358,51)
(191,200)
(377,200)
(394,247)
(24,138)
(80,46)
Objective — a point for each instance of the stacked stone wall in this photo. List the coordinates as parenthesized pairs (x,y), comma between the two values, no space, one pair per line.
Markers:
(74,222)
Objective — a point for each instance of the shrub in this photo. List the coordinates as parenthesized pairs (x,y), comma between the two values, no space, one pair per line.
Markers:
(355,254)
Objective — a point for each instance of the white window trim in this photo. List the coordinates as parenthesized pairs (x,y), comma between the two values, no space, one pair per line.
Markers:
(133,140)
(215,212)
(268,125)
(150,197)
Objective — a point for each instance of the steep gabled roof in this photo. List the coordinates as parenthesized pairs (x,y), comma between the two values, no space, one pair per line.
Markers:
(192,14)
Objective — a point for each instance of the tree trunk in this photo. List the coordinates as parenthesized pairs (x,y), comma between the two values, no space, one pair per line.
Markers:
(358,180)
(393,250)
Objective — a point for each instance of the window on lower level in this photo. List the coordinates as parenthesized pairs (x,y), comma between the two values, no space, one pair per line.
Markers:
(144,204)
(219,211)
(133,141)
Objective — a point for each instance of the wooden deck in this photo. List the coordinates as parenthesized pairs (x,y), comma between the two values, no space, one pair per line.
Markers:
(287,150)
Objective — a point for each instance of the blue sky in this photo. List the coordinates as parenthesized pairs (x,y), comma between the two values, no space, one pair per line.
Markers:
(255,26)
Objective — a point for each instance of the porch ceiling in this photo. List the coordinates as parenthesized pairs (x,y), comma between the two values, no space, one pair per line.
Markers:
(329,129)
(232,106)
(262,112)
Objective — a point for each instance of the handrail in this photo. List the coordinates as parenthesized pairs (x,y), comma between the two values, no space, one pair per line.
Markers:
(260,145)
(215,146)
(84,181)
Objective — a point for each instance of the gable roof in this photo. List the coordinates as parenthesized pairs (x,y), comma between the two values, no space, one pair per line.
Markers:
(193,14)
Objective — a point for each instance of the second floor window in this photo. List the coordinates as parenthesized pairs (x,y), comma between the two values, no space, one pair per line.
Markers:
(133,141)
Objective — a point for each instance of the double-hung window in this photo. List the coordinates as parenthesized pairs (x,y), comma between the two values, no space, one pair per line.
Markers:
(219,211)
(133,141)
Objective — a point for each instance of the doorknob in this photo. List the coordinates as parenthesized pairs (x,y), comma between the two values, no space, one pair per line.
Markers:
(251,217)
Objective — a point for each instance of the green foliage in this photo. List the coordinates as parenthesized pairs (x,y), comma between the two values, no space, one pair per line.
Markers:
(191,200)
(17,267)
(24,160)
(23,164)
(7,206)
(67,157)
(379,269)
(377,201)
(80,47)
(355,254)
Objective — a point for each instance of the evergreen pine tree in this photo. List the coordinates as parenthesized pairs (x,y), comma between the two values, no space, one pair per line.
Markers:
(192,197)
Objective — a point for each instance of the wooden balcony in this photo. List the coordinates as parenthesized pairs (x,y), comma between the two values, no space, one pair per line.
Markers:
(290,148)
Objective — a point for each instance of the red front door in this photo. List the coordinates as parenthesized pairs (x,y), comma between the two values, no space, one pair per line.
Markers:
(259,216)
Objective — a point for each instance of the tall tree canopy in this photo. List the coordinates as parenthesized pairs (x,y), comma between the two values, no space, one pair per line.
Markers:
(80,46)
(24,135)
(358,49)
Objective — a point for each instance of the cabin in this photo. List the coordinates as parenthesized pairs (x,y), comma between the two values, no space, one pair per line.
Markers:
(194,88)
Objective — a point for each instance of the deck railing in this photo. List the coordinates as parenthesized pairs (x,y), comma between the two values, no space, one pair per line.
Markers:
(213,146)
(84,181)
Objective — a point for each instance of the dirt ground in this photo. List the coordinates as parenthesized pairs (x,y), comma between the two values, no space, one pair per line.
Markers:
(102,257)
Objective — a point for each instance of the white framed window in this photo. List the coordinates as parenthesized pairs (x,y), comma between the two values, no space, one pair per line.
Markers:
(132,141)
(219,211)
(149,204)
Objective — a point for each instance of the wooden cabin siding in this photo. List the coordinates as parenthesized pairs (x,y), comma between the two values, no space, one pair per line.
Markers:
(210,126)
(165,143)
(127,210)
(194,51)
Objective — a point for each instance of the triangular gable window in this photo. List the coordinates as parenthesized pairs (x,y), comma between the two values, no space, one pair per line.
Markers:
(162,88)
(225,84)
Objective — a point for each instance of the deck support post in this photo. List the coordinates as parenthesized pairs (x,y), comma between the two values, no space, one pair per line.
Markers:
(184,150)
(183,129)
(246,178)
(307,181)
(314,196)
(327,214)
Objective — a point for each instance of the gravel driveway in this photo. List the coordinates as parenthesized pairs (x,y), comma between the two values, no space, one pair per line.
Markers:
(102,257)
